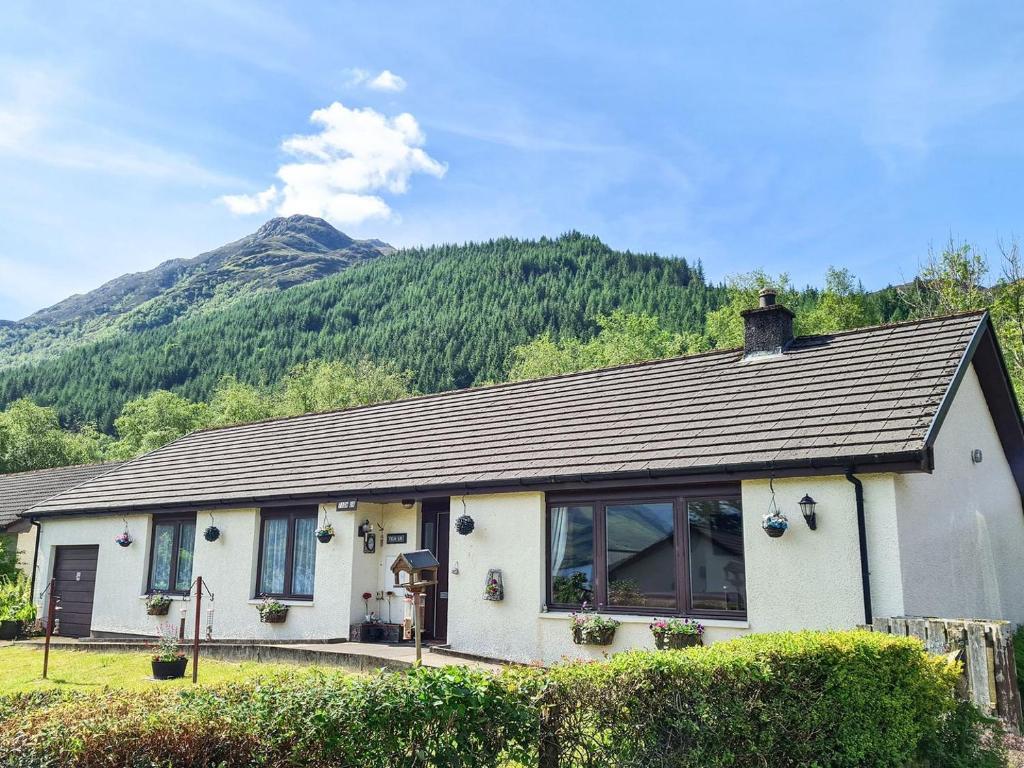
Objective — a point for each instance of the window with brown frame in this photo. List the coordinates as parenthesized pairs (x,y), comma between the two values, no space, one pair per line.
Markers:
(170,554)
(676,552)
(287,555)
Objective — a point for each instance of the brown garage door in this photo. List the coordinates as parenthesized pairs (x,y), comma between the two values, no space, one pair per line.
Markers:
(75,570)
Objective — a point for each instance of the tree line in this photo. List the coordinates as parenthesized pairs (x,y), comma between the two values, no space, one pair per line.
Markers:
(954,280)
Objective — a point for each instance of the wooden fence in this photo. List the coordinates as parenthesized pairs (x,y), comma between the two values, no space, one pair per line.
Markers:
(986,650)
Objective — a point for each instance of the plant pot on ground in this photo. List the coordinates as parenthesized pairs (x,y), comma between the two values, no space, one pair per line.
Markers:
(8,630)
(168,661)
(272,612)
(588,628)
(673,634)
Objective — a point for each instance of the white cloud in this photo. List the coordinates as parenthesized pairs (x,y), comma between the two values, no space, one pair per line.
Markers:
(244,204)
(387,81)
(340,172)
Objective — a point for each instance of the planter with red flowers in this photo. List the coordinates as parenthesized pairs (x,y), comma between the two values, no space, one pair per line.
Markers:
(673,634)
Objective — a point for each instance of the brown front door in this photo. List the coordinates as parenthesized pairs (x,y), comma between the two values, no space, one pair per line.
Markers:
(75,571)
(436,525)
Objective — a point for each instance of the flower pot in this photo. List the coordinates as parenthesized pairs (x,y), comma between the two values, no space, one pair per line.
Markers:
(774,532)
(8,630)
(323,536)
(169,670)
(124,542)
(275,617)
(212,533)
(599,637)
(672,641)
(158,610)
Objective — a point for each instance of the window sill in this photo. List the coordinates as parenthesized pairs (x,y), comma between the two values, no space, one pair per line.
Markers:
(168,595)
(627,618)
(282,601)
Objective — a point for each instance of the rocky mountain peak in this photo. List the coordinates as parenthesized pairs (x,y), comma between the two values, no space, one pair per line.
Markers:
(302,226)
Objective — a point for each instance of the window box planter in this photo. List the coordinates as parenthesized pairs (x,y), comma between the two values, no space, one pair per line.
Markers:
(603,636)
(169,670)
(274,617)
(272,612)
(673,642)
(673,634)
(158,605)
(588,628)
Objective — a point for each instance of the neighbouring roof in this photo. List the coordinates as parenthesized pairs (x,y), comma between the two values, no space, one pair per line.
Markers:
(19,491)
(866,399)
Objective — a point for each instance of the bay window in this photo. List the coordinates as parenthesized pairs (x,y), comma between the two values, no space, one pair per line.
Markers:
(668,553)
(170,554)
(287,556)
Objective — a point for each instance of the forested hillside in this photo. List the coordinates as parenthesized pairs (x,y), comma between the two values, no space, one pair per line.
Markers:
(449,314)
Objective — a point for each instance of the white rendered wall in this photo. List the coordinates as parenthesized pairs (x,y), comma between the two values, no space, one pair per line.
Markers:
(812,579)
(228,566)
(962,527)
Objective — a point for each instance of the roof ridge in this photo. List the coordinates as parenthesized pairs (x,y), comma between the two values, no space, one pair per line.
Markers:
(900,324)
(5,475)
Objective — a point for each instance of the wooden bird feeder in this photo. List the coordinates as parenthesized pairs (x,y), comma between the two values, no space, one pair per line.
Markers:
(420,567)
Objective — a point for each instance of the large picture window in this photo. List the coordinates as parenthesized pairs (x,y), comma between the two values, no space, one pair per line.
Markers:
(170,557)
(678,552)
(287,559)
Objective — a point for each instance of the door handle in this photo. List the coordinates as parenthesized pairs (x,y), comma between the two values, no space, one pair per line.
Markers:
(443,595)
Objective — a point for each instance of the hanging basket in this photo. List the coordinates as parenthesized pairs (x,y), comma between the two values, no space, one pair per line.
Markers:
(464,525)
(212,533)
(602,636)
(124,540)
(774,531)
(324,536)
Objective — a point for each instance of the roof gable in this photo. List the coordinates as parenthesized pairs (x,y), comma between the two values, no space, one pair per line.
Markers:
(865,399)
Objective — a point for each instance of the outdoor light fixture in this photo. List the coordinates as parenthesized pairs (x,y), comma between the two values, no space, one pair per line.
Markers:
(408,503)
(807,505)
(364,528)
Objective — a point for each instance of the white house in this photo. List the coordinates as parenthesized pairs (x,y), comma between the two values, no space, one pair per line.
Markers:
(640,489)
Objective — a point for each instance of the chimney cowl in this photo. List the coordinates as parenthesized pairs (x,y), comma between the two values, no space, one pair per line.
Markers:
(767,329)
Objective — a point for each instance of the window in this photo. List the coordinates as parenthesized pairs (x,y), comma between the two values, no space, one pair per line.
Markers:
(674,552)
(170,558)
(287,559)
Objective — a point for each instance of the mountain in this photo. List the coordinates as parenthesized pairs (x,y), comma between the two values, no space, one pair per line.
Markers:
(282,253)
(449,313)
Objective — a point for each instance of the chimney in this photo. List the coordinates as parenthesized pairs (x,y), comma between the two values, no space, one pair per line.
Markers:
(768,329)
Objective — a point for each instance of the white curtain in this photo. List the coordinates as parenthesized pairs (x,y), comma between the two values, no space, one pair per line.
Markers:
(186,546)
(275,539)
(559,535)
(160,572)
(304,557)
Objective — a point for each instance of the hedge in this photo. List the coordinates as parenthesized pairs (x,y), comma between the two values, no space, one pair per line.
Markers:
(808,699)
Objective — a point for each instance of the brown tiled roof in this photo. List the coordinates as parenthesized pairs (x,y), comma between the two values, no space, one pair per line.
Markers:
(865,396)
(19,491)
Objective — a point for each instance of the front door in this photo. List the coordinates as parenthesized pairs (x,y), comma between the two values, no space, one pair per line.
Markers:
(434,536)
(75,571)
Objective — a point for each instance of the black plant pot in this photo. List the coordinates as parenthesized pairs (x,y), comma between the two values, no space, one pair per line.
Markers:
(169,670)
(212,533)
(323,537)
(8,630)
(775,532)
(670,641)
(464,525)
(124,543)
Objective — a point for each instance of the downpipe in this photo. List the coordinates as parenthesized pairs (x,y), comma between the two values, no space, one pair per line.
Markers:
(862,536)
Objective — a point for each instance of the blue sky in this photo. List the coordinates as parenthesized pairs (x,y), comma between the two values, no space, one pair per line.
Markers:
(788,136)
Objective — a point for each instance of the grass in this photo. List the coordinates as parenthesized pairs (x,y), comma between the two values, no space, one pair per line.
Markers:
(21,668)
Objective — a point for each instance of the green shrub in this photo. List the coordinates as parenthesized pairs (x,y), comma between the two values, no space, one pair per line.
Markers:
(16,599)
(799,699)
(1018,657)
(806,699)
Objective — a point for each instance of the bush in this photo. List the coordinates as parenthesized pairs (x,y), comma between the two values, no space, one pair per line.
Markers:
(795,699)
(815,699)
(16,599)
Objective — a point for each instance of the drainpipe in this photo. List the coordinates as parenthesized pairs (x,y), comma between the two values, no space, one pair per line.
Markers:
(862,536)
(35,555)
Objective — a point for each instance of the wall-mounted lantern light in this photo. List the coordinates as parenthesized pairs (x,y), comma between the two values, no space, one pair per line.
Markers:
(364,528)
(408,503)
(807,505)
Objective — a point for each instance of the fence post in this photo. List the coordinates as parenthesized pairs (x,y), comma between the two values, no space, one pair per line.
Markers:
(1008,704)
(195,637)
(51,609)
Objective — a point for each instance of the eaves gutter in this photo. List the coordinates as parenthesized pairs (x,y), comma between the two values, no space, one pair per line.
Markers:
(907,461)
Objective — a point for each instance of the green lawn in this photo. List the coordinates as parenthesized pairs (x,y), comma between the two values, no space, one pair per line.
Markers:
(21,668)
